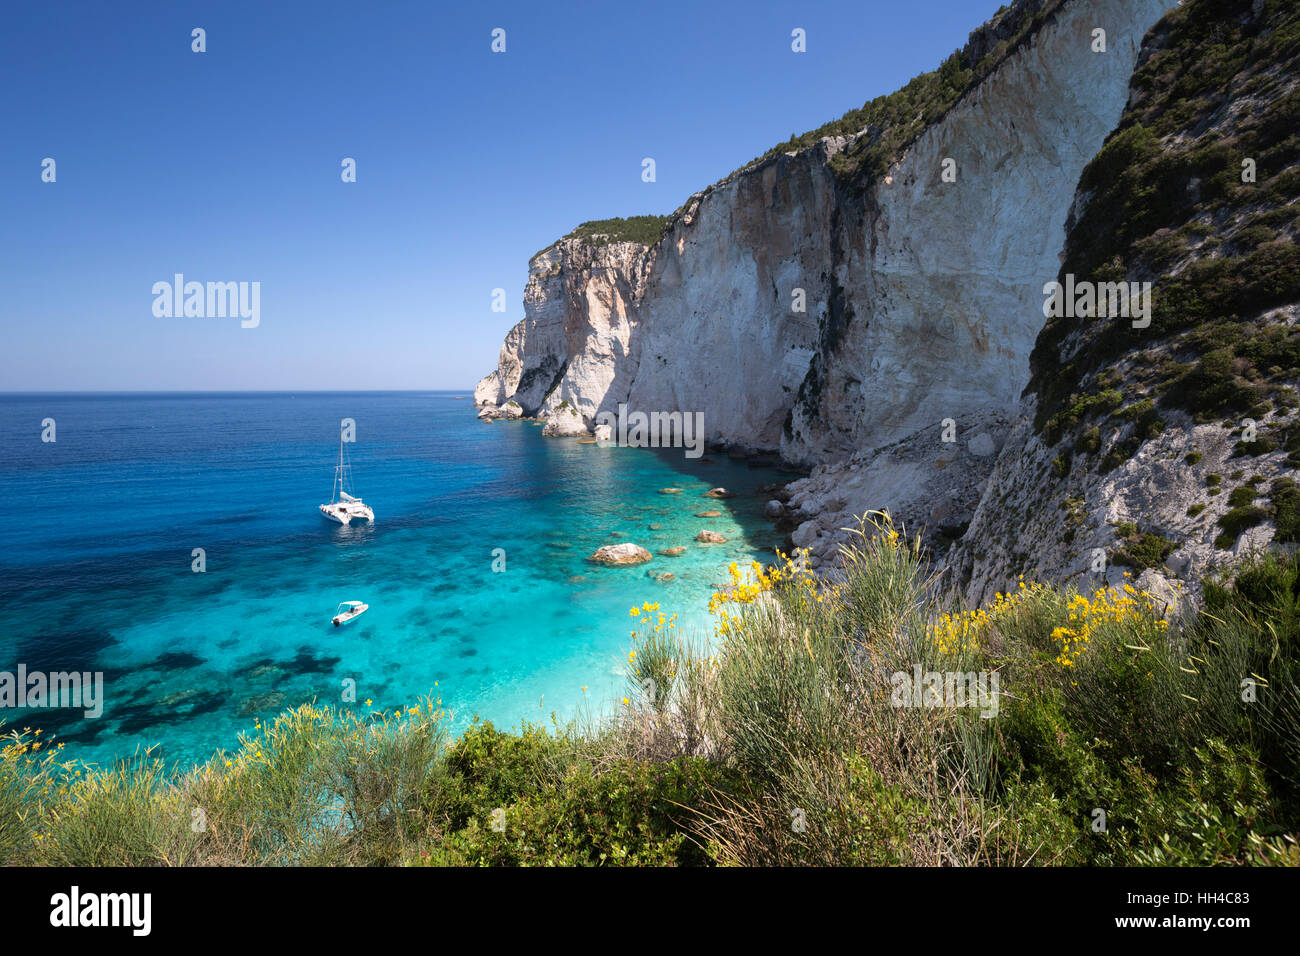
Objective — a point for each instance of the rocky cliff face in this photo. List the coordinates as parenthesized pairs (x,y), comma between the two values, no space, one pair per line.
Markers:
(899,381)
(1159,451)
(575,341)
(699,323)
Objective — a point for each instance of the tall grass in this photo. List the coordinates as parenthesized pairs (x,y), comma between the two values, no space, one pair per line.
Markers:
(315,785)
(1104,705)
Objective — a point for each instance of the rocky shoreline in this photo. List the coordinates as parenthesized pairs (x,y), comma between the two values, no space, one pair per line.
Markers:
(816,509)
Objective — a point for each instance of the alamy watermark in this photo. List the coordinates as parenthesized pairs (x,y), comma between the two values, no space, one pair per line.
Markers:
(653,430)
(211,300)
(1086,300)
(57,689)
(934,689)
(127,910)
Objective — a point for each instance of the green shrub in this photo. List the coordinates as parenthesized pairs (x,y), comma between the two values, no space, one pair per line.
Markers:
(1218,813)
(628,814)
(1236,520)
(1284,495)
(1253,236)
(1241,496)
(645,230)
(490,768)
(1143,550)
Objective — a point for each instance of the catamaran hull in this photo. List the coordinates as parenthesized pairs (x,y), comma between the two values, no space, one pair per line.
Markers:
(344,516)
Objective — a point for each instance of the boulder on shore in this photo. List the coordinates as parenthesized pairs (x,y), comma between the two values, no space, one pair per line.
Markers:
(510,411)
(565,421)
(616,554)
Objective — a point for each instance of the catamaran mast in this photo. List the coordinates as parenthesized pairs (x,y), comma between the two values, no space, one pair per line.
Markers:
(343,507)
(338,474)
(342,476)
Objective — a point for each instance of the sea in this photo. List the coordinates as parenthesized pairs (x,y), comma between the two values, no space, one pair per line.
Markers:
(172,543)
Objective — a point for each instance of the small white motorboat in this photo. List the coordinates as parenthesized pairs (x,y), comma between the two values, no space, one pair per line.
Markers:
(348,610)
(342,506)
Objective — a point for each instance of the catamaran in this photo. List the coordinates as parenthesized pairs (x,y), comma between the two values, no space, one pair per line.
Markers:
(343,507)
(347,610)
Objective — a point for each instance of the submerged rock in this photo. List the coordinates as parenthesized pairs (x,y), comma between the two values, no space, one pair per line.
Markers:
(673,552)
(710,537)
(708,514)
(718,493)
(260,703)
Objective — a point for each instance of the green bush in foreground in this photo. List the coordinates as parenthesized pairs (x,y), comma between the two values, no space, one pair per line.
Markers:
(499,810)
(1061,727)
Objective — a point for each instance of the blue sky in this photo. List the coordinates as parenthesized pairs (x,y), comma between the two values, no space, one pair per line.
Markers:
(224,166)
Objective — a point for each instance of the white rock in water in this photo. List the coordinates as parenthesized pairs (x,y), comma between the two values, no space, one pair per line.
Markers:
(565,422)
(489,390)
(625,553)
(510,410)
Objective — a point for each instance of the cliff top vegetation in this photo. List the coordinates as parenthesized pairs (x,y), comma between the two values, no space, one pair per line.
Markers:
(646,230)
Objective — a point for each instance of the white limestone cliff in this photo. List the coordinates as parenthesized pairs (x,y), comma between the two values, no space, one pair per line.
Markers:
(923,297)
(575,342)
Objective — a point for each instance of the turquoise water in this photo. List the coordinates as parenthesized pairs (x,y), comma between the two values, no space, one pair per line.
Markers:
(102,524)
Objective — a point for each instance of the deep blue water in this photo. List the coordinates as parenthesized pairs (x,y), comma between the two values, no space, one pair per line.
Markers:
(101,526)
